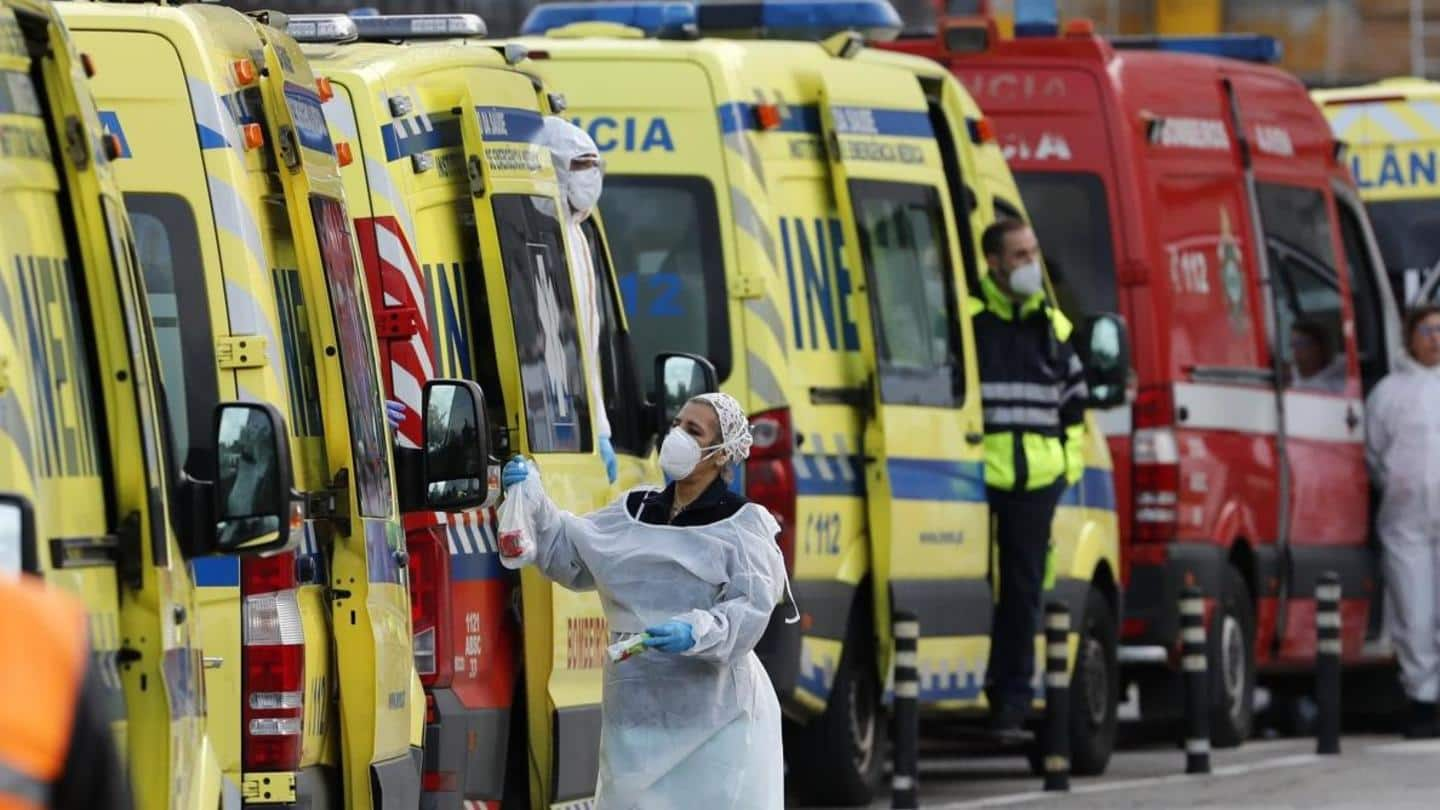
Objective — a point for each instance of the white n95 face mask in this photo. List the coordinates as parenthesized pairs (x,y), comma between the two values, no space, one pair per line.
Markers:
(582,190)
(1026,279)
(680,454)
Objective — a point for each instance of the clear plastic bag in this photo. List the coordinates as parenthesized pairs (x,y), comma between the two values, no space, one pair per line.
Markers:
(517,527)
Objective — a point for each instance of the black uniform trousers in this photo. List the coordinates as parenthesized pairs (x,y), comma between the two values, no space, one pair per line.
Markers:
(1022,521)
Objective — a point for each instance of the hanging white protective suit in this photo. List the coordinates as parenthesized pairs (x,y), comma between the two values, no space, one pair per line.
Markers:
(1403,450)
(698,729)
(581,193)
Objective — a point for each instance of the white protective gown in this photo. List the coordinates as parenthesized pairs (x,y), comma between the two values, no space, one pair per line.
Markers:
(700,729)
(1403,450)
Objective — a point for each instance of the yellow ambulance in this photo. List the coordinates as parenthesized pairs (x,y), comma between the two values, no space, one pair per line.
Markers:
(788,209)
(232,183)
(83,460)
(1390,133)
(456,211)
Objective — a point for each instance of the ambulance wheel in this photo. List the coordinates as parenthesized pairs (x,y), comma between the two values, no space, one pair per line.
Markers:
(836,758)
(1231,638)
(1094,689)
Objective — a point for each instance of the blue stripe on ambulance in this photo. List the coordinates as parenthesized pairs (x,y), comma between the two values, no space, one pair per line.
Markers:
(474,551)
(915,479)
(216,572)
(309,117)
(421,133)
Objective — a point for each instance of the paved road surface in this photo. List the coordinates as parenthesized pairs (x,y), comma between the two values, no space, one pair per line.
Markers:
(1373,773)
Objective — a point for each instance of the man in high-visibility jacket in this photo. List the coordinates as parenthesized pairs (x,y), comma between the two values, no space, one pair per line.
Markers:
(1032,388)
(57,751)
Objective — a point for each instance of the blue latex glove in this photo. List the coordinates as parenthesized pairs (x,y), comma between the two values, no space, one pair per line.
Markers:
(612,464)
(394,413)
(516,470)
(670,637)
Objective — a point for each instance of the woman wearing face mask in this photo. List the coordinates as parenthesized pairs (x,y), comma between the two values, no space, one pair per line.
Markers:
(693,721)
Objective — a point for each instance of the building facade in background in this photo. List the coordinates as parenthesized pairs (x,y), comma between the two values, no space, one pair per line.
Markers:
(1327,42)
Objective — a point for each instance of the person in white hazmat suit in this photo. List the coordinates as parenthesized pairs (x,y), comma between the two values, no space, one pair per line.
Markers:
(692,721)
(1403,451)
(581,177)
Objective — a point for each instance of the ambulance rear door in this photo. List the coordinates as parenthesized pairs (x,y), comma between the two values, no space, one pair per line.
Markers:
(922,448)
(531,306)
(370,598)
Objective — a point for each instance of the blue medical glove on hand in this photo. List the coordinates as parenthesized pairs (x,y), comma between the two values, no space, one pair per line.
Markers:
(607,452)
(394,413)
(516,470)
(670,637)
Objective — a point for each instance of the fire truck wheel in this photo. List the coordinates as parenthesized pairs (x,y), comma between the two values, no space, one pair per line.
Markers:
(835,759)
(1232,663)
(1094,689)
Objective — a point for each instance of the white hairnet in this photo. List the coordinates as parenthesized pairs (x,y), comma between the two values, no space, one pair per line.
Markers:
(735,438)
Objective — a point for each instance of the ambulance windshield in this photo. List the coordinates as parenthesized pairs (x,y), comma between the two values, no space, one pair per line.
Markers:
(665,240)
(1406,232)
(1072,219)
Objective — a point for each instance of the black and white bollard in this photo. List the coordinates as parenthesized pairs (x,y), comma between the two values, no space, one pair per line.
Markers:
(1057,697)
(1327,663)
(904,781)
(1193,665)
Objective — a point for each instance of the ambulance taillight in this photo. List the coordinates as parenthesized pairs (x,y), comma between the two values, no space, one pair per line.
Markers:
(273,654)
(1156,459)
(429,603)
(770,474)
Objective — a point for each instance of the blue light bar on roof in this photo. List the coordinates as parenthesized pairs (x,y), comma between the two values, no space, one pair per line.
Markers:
(1036,18)
(654,17)
(1245,47)
(803,19)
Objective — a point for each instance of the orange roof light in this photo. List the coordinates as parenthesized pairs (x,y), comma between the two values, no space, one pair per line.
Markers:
(1080,27)
(343,153)
(254,136)
(981,130)
(322,86)
(88,62)
(244,70)
(767,116)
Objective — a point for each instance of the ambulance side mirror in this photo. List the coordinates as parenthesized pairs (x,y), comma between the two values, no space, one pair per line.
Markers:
(1103,344)
(456,440)
(253,479)
(678,377)
(17,534)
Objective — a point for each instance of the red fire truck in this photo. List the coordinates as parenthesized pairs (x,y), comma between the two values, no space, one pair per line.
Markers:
(1202,198)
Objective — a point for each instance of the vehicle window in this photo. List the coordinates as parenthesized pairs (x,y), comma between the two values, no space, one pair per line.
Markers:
(1071,215)
(147,399)
(547,340)
(907,259)
(1364,289)
(623,395)
(303,383)
(1302,258)
(168,245)
(665,239)
(1405,231)
(363,395)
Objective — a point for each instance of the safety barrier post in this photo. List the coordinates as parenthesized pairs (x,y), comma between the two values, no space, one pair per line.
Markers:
(1197,698)
(904,780)
(1327,662)
(1057,697)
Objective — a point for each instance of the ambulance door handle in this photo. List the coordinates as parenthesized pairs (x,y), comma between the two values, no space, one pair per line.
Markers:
(974,438)
(213,662)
